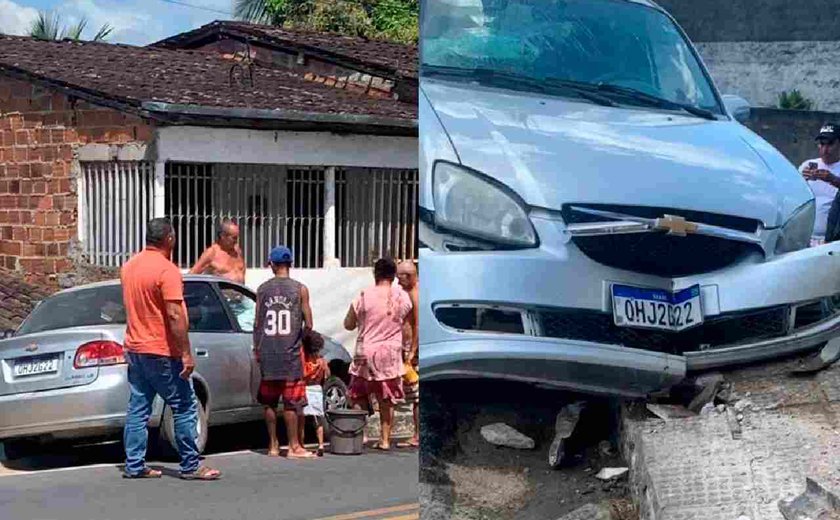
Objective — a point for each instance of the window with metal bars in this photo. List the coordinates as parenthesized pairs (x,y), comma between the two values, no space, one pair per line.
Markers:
(116,201)
(375,210)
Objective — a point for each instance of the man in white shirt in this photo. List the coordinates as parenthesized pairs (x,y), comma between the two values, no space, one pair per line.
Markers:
(823,176)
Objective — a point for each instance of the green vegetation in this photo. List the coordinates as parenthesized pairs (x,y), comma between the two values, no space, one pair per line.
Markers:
(794,100)
(48,26)
(394,20)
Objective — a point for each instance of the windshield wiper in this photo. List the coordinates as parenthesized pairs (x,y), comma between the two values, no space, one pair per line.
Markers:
(656,101)
(546,85)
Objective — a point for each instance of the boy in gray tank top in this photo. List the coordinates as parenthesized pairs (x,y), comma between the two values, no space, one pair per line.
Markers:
(282,313)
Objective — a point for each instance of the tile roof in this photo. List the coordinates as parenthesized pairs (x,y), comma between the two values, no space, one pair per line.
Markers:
(394,58)
(133,75)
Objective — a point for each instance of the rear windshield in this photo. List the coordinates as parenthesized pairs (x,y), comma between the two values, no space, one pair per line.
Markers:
(85,307)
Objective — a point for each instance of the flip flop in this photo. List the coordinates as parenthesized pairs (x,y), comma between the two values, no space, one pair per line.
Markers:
(408,444)
(202,473)
(377,446)
(304,455)
(146,473)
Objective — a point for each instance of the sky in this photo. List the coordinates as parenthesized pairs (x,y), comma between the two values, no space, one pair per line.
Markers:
(135,22)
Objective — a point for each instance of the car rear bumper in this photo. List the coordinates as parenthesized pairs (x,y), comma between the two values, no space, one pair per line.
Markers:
(562,278)
(74,412)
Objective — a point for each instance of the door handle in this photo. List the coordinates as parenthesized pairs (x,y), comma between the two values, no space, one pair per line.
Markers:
(200,352)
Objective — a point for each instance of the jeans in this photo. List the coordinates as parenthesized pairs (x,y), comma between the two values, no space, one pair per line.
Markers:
(148,376)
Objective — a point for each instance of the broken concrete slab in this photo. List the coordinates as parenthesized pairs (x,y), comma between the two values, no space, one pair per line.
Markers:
(611,473)
(816,503)
(711,383)
(589,512)
(668,412)
(564,426)
(501,434)
(826,357)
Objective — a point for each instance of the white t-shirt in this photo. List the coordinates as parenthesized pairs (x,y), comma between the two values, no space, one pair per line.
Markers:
(823,194)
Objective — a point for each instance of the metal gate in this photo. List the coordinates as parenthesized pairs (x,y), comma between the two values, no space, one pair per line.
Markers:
(271,204)
(116,200)
(376,215)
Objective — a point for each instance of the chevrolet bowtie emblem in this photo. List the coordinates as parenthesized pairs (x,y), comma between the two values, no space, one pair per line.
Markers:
(31,348)
(675,225)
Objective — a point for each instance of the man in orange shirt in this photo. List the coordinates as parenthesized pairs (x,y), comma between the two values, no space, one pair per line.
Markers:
(160,361)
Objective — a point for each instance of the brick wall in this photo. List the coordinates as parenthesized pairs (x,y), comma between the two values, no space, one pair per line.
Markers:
(40,129)
(17,297)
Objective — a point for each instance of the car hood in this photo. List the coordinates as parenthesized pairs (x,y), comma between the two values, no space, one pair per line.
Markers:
(553,150)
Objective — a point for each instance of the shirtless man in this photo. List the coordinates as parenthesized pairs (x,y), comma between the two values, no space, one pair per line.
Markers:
(224,258)
(407,278)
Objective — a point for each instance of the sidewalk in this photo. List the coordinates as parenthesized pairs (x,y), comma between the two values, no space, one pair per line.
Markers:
(739,463)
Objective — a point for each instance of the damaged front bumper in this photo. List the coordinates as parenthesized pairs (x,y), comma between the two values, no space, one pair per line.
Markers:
(545,316)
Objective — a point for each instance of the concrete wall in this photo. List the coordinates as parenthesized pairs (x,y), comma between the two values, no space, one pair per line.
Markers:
(761,48)
(331,291)
(790,131)
(227,145)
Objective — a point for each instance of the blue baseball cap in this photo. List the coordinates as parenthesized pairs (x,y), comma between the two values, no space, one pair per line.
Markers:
(280,255)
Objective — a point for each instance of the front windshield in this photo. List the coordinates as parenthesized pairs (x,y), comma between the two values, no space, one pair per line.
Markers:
(607,42)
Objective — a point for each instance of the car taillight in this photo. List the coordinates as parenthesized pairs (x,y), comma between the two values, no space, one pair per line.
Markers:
(99,354)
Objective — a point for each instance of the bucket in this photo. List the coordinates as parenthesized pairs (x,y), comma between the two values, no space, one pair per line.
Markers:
(347,431)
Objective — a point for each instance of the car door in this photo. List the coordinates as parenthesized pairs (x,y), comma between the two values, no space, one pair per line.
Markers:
(219,356)
(242,306)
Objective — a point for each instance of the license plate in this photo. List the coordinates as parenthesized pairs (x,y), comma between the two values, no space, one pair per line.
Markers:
(656,308)
(33,367)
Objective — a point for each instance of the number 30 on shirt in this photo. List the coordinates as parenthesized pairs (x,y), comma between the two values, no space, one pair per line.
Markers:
(278,323)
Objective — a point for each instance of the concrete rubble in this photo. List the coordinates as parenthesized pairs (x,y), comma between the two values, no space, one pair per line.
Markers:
(772,431)
(564,426)
(611,473)
(589,512)
(501,434)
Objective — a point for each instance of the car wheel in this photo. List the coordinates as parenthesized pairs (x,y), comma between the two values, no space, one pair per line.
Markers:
(335,394)
(169,446)
(19,448)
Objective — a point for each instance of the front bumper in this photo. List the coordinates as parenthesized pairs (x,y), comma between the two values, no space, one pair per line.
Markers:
(561,277)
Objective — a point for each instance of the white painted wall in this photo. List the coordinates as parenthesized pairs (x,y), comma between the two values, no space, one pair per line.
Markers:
(331,291)
(236,145)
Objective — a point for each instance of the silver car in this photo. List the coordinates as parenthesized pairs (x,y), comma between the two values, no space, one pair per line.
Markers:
(64,375)
(593,214)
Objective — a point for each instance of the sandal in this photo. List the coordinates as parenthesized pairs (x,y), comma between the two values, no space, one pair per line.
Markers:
(378,446)
(408,444)
(202,473)
(146,473)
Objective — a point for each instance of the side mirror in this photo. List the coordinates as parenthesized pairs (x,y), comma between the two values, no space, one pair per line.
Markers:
(8,333)
(738,107)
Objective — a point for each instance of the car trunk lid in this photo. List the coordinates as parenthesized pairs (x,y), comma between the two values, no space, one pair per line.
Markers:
(44,361)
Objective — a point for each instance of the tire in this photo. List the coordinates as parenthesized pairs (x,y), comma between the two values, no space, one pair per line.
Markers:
(168,446)
(335,394)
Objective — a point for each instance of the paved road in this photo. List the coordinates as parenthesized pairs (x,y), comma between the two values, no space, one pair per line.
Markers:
(376,485)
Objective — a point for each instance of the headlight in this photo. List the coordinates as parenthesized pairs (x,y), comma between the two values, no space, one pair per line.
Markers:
(469,204)
(796,233)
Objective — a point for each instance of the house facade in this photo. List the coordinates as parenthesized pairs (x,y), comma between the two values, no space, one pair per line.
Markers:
(96,139)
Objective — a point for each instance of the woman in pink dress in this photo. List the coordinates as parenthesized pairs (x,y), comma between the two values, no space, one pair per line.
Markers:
(377,369)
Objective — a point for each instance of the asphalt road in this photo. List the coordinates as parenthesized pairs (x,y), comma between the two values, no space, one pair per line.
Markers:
(86,484)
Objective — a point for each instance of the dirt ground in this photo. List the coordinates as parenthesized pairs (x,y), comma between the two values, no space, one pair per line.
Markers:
(465,477)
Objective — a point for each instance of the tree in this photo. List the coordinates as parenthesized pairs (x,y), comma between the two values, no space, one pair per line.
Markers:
(48,26)
(395,20)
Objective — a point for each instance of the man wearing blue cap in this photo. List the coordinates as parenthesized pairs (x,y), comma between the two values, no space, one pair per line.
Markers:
(282,313)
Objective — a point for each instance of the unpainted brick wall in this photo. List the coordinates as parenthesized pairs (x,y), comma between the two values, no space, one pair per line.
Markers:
(40,130)
(17,297)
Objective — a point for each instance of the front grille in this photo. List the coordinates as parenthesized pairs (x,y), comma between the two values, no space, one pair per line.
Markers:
(727,329)
(658,253)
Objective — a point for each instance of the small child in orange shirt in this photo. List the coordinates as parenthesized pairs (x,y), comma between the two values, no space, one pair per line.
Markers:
(315,372)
